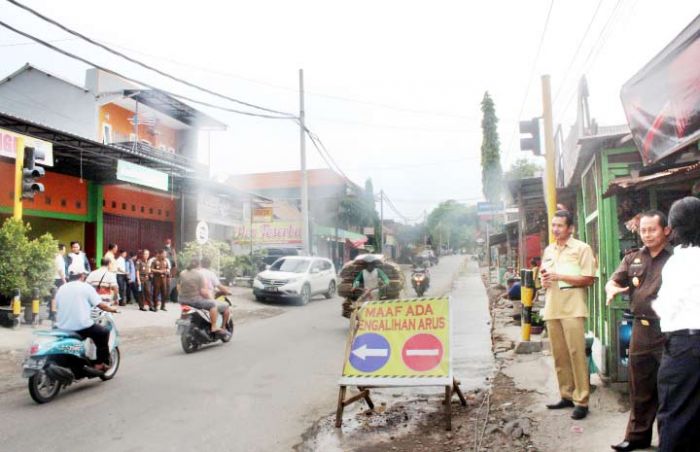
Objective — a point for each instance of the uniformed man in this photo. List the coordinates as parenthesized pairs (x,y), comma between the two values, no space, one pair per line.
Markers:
(160,276)
(568,267)
(144,270)
(639,274)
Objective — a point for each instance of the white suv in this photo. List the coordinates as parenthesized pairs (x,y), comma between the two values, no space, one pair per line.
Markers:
(296,277)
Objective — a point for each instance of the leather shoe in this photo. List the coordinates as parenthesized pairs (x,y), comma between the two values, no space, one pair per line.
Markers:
(579,412)
(563,403)
(631,445)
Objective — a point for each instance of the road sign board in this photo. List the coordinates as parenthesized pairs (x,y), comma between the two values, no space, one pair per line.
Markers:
(400,343)
(202,232)
(369,352)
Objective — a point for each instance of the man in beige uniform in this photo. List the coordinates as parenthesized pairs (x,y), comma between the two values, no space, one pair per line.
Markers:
(568,267)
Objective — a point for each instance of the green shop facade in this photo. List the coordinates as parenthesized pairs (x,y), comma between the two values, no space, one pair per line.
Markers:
(602,179)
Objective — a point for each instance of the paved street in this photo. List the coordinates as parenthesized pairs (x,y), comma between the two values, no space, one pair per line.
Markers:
(260,392)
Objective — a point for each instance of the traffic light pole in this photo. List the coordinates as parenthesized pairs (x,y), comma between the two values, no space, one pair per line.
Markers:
(19,166)
(550,157)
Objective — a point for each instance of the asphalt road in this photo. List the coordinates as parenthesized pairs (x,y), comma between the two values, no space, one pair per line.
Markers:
(260,392)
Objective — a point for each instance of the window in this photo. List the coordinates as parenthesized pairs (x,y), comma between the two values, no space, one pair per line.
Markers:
(78,204)
(106,133)
(171,150)
(326,266)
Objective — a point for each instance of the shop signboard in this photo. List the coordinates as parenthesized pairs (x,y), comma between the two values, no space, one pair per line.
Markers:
(8,146)
(141,175)
(273,233)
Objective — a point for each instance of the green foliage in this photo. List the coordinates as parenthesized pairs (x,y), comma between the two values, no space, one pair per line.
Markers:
(491,171)
(454,224)
(25,264)
(523,168)
(222,259)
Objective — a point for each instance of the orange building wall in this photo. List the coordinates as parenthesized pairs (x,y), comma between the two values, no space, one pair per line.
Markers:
(138,203)
(119,120)
(64,194)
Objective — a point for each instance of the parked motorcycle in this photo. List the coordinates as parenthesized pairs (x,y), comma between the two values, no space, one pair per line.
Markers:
(420,280)
(58,358)
(194,327)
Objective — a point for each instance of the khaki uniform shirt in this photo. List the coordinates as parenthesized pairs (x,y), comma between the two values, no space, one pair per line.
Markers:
(566,303)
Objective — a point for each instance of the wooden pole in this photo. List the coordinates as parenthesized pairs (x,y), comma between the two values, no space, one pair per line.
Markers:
(19,165)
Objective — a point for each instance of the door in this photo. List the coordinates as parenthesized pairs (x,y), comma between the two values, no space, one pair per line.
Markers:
(316,276)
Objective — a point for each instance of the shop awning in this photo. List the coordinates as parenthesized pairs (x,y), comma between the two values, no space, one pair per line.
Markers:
(671,175)
(497,239)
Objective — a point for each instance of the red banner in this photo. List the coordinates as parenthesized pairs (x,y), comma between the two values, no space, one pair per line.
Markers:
(662,101)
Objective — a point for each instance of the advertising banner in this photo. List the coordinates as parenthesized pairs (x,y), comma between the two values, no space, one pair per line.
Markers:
(662,101)
(275,233)
(8,146)
(400,343)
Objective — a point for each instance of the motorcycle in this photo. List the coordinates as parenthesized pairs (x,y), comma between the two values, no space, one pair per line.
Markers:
(58,358)
(420,280)
(194,327)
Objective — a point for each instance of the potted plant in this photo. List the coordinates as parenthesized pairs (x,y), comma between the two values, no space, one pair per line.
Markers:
(536,323)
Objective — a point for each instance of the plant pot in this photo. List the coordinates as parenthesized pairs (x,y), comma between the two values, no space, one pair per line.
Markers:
(536,329)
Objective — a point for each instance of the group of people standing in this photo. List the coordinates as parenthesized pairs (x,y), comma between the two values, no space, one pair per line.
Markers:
(123,277)
(662,283)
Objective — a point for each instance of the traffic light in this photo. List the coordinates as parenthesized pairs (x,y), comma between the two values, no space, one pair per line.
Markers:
(31,172)
(532,143)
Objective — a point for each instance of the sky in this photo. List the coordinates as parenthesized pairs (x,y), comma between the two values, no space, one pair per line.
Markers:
(392,88)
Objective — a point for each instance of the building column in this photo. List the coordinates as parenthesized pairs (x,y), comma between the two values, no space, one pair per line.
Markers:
(96,214)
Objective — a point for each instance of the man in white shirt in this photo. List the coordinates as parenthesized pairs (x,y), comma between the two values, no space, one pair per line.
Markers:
(122,280)
(74,301)
(104,281)
(678,307)
(111,254)
(59,277)
(77,260)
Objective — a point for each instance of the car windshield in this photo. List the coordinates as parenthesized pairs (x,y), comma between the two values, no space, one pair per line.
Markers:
(291,265)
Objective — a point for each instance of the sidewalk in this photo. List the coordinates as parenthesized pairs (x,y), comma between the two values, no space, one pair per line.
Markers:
(533,381)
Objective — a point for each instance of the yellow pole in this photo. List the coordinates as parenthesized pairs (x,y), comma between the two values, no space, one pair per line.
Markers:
(550,190)
(527,293)
(19,164)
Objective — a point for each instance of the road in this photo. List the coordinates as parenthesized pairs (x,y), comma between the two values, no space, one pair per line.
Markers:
(258,393)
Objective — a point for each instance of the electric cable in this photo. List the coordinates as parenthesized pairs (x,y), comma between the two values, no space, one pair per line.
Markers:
(578,49)
(130,79)
(142,64)
(529,82)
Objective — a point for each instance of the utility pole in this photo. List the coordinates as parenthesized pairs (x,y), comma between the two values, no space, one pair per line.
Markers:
(19,166)
(304,176)
(381,221)
(550,190)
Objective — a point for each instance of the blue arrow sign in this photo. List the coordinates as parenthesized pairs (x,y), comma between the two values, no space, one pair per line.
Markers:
(369,352)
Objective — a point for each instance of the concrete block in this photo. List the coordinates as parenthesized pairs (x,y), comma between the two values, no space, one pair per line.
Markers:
(527,347)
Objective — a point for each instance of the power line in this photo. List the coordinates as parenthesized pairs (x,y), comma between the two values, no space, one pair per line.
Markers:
(578,49)
(142,64)
(602,39)
(110,71)
(529,82)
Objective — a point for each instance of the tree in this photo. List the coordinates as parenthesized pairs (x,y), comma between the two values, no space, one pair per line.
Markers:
(25,265)
(491,171)
(453,224)
(523,168)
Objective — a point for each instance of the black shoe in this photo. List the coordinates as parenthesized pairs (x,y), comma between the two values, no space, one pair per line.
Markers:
(153,310)
(563,403)
(631,445)
(579,412)
(143,309)
(163,309)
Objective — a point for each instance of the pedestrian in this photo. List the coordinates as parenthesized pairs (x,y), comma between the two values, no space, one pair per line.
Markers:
(133,283)
(639,275)
(60,276)
(104,281)
(568,267)
(160,275)
(143,269)
(678,307)
(78,263)
(111,254)
(122,277)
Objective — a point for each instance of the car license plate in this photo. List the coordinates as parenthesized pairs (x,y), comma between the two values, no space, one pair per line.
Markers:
(271,288)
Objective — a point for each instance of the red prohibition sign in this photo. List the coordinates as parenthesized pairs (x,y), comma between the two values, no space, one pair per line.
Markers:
(422,352)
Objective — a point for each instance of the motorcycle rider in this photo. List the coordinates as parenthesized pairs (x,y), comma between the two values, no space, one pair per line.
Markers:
(213,282)
(74,301)
(421,267)
(372,277)
(193,291)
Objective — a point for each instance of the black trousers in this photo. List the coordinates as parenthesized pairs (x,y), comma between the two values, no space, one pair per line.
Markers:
(646,349)
(100,335)
(679,394)
(132,291)
(123,283)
